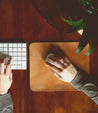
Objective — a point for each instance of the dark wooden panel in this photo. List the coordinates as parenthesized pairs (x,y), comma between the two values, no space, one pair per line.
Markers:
(94,62)
(19,19)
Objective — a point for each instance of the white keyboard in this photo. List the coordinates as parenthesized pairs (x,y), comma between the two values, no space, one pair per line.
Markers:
(18,52)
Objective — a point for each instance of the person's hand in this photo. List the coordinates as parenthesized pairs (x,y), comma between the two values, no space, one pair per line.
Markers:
(62,68)
(5,77)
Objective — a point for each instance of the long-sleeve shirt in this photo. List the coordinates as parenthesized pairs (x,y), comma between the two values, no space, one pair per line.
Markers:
(86,84)
(6,104)
(81,82)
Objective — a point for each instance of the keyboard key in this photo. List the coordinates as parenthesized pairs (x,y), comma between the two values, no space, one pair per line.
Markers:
(24,49)
(10,53)
(23,54)
(23,58)
(24,67)
(15,45)
(14,49)
(19,62)
(14,67)
(19,45)
(23,63)
(19,58)
(15,62)
(10,45)
(19,49)
(5,49)
(5,45)
(10,49)
(23,45)
(15,54)
(1,49)
(19,54)
(19,67)
(1,45)
(15,58)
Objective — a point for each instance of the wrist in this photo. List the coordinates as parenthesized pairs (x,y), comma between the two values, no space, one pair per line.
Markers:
(74,74)
(3,92)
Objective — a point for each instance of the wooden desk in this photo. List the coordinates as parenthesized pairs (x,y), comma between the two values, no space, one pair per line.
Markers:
(20,20)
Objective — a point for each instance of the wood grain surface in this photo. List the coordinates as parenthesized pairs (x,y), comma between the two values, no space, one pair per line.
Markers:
(20,20)
(41,76)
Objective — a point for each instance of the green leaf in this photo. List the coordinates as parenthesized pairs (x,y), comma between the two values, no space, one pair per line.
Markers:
(92,48)
(90,12)
(88,5)
(96,9)
(75,25)
(83,42)
(84,2)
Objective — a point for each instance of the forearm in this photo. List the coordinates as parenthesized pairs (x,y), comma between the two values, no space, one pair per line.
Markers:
(65,71)
(83,83)
(6,104)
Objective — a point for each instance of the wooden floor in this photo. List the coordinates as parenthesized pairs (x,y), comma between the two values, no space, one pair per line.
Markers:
(20,20)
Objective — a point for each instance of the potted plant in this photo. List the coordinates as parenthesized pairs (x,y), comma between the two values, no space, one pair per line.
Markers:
(78,14)
(86,19)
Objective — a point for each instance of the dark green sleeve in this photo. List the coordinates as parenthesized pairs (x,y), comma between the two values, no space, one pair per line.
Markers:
(6,104)
(85,83)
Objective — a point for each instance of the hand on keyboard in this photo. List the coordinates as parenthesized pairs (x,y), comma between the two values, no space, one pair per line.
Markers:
(5,77)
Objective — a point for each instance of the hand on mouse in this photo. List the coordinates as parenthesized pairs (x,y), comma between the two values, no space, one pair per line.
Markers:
(62,68)
(5,77)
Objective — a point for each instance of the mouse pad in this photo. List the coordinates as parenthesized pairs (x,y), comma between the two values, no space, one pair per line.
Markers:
(41,76)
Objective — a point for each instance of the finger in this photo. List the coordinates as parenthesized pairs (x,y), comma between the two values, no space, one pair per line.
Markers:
(8,69)
(67,61)
(11,77)
(54,57)
(60,60)
(57,75)
(63,62)
(9,62)
(56,63)
(8,66)
(54,68)
(2,66)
